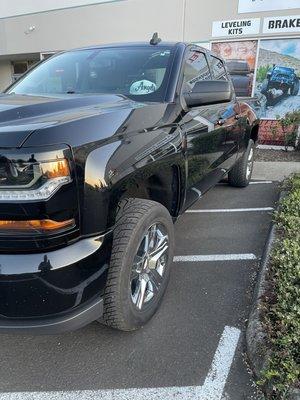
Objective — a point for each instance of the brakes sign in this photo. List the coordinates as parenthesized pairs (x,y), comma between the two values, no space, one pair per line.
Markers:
(282,24)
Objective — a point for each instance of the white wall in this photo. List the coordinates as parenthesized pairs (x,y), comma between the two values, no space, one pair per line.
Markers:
(5,74)
(131,20)
(12,8)
(114,21)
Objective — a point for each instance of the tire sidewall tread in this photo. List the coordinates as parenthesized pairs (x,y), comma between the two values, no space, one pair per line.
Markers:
(134,218)
(238,175)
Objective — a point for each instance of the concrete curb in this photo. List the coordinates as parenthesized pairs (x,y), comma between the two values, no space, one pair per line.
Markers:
(256,337)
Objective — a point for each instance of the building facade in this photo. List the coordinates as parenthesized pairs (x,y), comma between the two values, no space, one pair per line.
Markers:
(255,36)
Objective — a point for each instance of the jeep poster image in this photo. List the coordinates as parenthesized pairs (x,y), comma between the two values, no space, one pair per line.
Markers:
(240,59)
(278,76)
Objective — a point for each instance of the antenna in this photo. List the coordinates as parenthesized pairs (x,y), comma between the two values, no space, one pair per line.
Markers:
(155,39)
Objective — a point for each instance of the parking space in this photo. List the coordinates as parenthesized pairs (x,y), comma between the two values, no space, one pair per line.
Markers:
(193,347)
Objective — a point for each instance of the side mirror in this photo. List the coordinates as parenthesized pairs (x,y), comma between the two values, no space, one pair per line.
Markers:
(209,92)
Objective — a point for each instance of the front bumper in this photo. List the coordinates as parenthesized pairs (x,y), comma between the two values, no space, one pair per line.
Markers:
(55,324)
(54,291)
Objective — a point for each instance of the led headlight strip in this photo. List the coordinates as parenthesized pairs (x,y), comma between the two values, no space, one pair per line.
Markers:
(51,175)
(42,193)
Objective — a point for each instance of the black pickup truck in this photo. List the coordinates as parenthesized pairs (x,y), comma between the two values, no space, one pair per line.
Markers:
(102,149)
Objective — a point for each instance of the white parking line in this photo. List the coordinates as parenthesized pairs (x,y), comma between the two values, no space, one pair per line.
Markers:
(215,382)
(230,210)
(260,182)
(212,388)
(215,257)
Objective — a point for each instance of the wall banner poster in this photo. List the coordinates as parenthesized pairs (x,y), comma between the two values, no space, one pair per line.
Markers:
(240,58)
(282,24)
(237,27)
(277,76)
(250,6)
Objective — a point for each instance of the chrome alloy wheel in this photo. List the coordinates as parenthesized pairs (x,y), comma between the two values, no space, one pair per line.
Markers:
(250,163)
(149,265)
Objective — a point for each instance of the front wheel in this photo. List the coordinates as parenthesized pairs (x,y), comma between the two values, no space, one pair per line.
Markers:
(142,254)
(241,173)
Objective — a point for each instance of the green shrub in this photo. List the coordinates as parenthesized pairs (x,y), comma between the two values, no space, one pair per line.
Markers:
(290,124)
(261,73)
(282,301)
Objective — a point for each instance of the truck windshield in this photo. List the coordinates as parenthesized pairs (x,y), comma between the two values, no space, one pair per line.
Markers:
(283,69)
(138,72)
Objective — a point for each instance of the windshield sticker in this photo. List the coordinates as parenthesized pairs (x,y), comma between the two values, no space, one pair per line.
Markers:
(143,87)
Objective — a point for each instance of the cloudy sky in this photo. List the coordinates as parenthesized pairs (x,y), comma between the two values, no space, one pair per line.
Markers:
(288,47)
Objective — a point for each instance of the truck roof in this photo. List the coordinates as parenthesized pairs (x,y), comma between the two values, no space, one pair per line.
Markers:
(132,44)
(161,44)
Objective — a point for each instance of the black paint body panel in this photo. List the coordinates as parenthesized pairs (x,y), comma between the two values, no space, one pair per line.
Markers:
(116,148)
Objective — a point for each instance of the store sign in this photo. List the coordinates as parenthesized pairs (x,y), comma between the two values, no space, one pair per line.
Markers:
(13,8)
(282,24)
(249,6)
(237,27)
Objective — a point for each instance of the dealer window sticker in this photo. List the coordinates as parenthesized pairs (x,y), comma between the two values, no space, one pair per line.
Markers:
(143,87)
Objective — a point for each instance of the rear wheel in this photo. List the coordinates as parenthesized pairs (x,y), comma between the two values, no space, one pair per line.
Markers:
(142,254)
(241,173)
(264,87)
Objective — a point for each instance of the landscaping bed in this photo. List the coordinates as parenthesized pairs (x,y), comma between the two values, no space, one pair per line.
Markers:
(273,335)
(276,155)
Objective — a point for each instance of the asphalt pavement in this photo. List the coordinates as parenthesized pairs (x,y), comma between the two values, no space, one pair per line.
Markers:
(194,346)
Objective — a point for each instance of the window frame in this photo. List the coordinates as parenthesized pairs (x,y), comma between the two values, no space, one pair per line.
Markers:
(197,49)
(212,55)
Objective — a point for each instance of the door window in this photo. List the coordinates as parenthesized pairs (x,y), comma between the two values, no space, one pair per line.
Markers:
(219,69)
(196,69)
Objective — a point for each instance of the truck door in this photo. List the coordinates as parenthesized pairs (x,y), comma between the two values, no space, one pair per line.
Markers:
(230,117)
(210,140)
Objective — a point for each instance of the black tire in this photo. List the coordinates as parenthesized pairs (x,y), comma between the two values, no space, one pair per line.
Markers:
(239,175)
(295,88)
(264,87)
(134,219)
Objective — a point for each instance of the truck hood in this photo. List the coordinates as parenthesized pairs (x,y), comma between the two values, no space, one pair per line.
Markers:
(23,115)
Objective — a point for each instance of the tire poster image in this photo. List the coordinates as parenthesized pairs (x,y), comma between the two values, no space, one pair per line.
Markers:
(240,58)
(277,76)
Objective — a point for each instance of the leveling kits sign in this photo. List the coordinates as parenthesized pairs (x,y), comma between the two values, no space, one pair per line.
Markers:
(237,27)
(282,24)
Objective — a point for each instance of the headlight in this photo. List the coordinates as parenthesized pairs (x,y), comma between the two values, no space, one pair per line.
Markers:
(31,180)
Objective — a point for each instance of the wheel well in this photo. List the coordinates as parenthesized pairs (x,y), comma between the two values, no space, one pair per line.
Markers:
(254,133)
(162,187)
